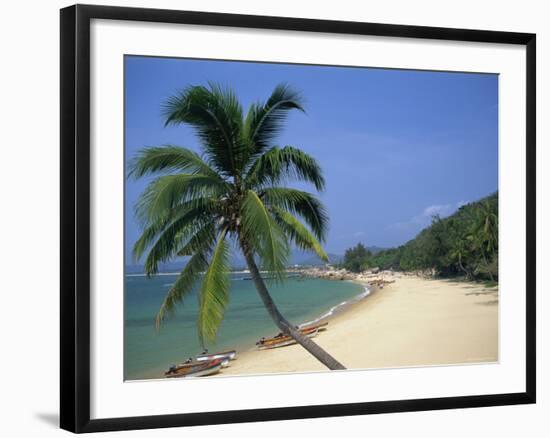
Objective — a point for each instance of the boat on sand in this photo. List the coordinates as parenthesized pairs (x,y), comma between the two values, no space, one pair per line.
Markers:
(306,330)
(193,361)
(206,368)
(205,356)
(283,341)
(321,326)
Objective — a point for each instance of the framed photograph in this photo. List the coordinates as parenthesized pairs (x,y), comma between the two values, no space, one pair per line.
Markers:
(268,218)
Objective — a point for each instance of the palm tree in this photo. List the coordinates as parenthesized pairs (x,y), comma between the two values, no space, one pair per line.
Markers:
(459,252)
(233,193)
(485,234)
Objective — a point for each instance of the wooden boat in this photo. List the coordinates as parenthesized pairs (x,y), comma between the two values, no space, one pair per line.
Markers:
(281,337)
(195,370)
(283,341)
(204,356)
(304,330)
(191,361)
(321,327)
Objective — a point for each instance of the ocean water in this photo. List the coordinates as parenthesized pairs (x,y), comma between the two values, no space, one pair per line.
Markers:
(148,353)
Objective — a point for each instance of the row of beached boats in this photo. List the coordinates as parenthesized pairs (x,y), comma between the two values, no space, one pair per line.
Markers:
(282,340)
(204,364)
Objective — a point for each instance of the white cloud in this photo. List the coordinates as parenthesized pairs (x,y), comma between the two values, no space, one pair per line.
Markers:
(359,234)
(423,219)
(435,210)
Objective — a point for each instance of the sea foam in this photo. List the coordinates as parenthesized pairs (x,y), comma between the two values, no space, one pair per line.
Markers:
(338,307)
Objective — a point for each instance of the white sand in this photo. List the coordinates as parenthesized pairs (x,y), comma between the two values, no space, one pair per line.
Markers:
(410,322)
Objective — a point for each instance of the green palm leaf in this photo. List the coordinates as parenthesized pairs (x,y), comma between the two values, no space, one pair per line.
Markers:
(298,233)
(183,218)
(279,164)
(171,242)
(169,158)
(165,193)
(301,203)
(216,115)
(264,122)
(260,229)
(214,292)
(205,234)
(182,286)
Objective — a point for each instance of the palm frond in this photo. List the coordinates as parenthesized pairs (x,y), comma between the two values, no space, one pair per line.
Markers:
(299,234)
(168,158)
(287,163)
(207,233)
(214,292)
(216,115)
(300,203)
(148,237)
(264,122)
(165,235)
(264,235)
(183,285)
(169,244)
(165,193)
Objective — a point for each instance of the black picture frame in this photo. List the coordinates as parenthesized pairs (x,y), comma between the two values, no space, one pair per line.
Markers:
(75,217)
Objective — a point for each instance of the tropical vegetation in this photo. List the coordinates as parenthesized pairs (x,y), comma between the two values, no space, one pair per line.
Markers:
(230,196)
(463,244)
(357,259)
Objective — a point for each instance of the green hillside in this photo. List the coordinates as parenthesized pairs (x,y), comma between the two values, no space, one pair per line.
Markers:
(463,244)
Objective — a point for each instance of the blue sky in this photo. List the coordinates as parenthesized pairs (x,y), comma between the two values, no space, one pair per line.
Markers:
(396,146)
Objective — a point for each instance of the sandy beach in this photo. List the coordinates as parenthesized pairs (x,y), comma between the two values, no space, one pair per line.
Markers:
(411,322)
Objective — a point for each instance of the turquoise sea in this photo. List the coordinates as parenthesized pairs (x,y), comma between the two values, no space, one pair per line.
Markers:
(148,353)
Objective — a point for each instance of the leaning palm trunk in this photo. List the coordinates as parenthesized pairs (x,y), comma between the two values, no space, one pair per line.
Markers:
(286,327)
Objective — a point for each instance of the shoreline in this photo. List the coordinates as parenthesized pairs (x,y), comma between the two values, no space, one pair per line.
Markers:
(335,312)
(411,321)
(368,289)
(342,309)
(323,313)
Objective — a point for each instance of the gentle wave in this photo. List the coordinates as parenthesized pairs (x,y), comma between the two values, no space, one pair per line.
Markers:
(333,309)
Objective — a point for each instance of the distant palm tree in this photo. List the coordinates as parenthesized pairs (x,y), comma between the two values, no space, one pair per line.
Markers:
(485,235)
(459,252)
(232,193)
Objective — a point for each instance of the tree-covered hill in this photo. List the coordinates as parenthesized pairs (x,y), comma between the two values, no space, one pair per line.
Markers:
(463,244)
